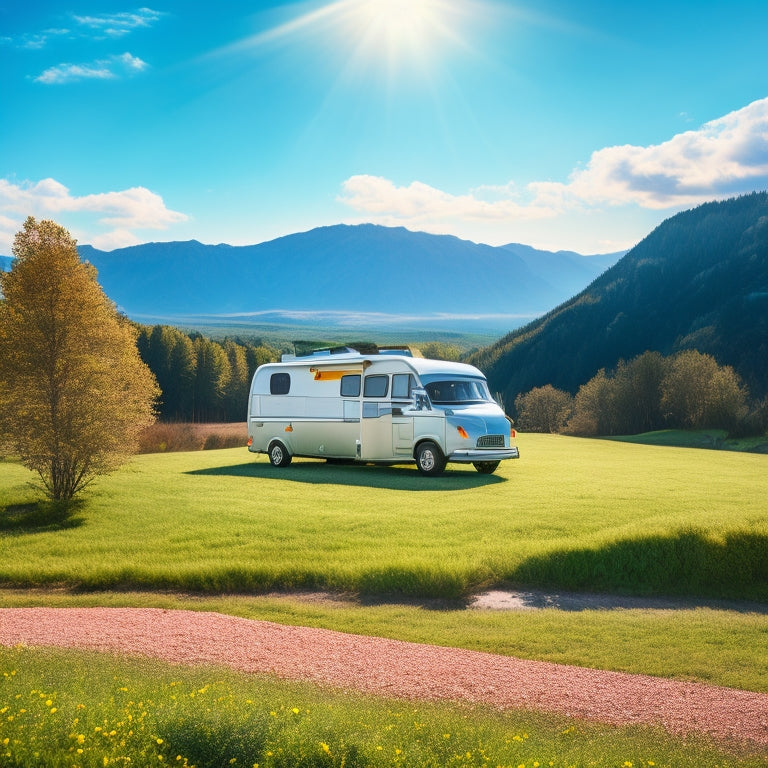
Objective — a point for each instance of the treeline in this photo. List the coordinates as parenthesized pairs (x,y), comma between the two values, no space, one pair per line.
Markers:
(688,390)
(201,380)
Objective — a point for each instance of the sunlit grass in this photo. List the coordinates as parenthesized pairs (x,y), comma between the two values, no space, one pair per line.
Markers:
(67,708)
(571,513)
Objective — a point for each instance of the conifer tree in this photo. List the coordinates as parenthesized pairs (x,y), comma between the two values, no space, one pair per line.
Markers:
(74,393)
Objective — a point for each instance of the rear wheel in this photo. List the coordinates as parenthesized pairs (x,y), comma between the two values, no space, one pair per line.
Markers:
(430,459)
(278,455)
(486,467)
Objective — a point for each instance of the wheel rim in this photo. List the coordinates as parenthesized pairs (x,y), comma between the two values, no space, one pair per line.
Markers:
(277,455)
(427,460)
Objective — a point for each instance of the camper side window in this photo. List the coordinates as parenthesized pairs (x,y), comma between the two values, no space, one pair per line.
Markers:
(376,386)
(402,384)
(350,385)
(280,383)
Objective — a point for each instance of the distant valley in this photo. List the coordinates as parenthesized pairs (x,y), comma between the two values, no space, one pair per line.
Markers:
(346,277)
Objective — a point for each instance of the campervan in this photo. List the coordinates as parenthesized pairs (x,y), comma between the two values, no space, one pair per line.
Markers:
(389,407)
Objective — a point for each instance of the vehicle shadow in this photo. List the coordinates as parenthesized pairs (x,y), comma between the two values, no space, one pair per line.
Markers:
(396,478)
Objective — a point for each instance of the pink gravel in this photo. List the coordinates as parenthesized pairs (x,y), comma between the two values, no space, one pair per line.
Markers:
(395,668)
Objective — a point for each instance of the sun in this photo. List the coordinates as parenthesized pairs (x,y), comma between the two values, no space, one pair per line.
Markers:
(394,34)
(401,33)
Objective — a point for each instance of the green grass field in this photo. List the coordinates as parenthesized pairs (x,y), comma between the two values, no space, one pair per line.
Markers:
(570,514)
(87,710)
(218,530)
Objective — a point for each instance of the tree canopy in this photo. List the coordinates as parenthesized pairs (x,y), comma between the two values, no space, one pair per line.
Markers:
(74,393)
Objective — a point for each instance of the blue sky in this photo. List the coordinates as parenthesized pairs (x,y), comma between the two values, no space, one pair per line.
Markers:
(574,125)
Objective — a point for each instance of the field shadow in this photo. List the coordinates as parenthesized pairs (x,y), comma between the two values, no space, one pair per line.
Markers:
(689,564)
(394,478)
(40,517)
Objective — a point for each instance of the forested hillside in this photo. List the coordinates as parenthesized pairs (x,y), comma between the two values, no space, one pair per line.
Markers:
(698,281)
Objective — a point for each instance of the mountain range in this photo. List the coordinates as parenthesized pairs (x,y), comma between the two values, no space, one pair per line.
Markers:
(355,276)
(698,281)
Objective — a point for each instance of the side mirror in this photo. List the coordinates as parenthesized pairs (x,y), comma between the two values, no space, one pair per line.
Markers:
(421,399)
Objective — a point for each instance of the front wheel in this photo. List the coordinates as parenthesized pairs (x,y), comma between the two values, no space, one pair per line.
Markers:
(486,467)
(430,459)
(278,455)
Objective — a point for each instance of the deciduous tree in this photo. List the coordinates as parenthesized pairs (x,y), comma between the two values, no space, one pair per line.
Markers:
(74,392)
(543,409)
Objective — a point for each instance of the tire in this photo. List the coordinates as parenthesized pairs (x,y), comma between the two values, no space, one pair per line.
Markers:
(486,467)
(429,459)
(278,455)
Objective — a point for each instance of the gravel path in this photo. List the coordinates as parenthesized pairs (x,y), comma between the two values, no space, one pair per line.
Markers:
(395,668)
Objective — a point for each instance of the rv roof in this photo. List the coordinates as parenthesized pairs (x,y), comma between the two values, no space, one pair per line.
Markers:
(422,365)
(364,348)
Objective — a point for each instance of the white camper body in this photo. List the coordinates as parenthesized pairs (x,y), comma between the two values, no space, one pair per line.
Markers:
(379,408)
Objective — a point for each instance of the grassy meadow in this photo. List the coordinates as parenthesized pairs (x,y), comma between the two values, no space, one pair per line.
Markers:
(224,531)
(570,514)
(88,710)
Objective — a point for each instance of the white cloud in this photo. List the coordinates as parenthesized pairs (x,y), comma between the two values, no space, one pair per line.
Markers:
(102,69)
(104,26)
(119,24)
(107,219)
(419,202)
(725,157)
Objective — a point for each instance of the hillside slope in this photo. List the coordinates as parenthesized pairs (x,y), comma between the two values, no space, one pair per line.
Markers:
(699,280)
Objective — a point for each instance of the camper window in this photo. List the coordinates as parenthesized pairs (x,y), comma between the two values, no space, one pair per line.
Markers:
(350,385)
(280,383)
(402,384)
(458,391)
(376,386)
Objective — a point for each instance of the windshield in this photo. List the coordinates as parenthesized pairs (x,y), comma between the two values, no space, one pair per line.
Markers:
(458,391)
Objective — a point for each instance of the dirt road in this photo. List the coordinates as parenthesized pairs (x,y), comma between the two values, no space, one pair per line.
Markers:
(394,668)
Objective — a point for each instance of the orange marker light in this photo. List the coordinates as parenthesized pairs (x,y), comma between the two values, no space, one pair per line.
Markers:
(463,432)
(513,433)
(289,428)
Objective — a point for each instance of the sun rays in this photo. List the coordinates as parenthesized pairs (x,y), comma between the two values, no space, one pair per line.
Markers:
(390,37)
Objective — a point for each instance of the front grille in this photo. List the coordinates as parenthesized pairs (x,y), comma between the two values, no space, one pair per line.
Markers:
(490,441)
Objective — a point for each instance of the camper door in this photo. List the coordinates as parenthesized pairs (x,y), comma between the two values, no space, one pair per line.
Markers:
(376,423)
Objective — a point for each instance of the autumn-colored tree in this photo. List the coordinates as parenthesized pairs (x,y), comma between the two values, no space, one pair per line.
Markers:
(593,407)
(74,394)
(637,395)
(543,409)
(697,393)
